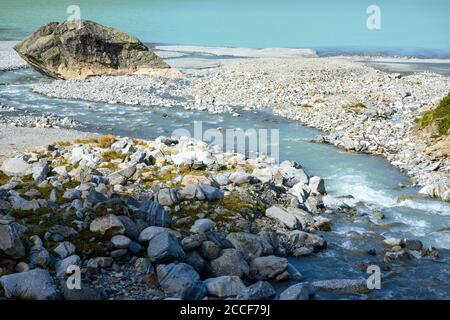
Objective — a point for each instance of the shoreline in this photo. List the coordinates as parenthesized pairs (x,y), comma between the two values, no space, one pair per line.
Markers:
(220,83)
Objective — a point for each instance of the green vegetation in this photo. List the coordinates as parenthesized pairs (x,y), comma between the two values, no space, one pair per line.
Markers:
(113,155)
(357,107)
(439,117)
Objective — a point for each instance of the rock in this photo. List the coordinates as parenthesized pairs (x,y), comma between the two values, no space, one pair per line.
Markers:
(104,262)
(193,242)
(229,263)
(120,242)
(299,291)
(39,257)
(72,194)
(10,243)
(341,286)
(250,245)
(106,223)
(87,292)
(149,233)
(155,214)
(240,177)
(290,175)
(180,280)
(164,248)
(32,285)
(415,245)
(261,290)
(116,254)
(298,239)
(131,229)
(194,259)
(82,49)
(269,267)
(282,216)
(192,192)
(121,177)
(202,225)
(317,185)
(211,193)
(294,273)
(40,170)
(64,249)
(16,167)
(224,286)
(209,250)
(22,267)
(95,197)
(62,265)
(167,197)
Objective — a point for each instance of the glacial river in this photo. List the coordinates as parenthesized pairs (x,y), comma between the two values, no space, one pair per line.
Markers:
(379,187)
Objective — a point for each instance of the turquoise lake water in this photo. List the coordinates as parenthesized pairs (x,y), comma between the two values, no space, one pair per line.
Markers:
(408,27)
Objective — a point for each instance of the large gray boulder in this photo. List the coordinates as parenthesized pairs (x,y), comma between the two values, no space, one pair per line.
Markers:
(155,214)
(106,223)
(285,218)
(341,286)
(180,280)
(250,245)
(229,263)
(261,290)
(265,268)
(163,248)
(299,291)
(10,243)
(82,49)
(32,285)
(224,286)
(16,167)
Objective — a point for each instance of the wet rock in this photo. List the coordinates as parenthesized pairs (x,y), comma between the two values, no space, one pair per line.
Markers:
(32,285)
(409,244)
(180,280)
(299,291)
(250,245)
(269,267)
(317,185)
(341,286)
(202,226)
(224,286)
(229,263)
(108,222)
(163,248)
(261,290)
(10,243)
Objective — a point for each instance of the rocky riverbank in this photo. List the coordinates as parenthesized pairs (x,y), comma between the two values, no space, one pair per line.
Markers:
(169,218)
(359,108)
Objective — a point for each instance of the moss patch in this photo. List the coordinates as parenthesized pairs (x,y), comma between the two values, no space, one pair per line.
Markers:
(106,141)
(113,155)
(438,117)
(357,107)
